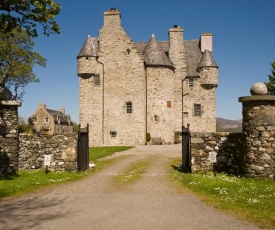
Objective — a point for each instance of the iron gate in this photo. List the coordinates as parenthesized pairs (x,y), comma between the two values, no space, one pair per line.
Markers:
(83,148)
(186,149)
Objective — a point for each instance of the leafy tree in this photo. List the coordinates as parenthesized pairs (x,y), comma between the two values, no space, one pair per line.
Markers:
(27,14)
(16,62)
(271,84)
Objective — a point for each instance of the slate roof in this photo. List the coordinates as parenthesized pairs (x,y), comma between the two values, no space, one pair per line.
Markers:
(192,55)
(90,47)
(207,60)
(59,117)
(155,55)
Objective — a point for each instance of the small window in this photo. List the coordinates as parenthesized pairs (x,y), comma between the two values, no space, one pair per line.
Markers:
(129,107)
(197,110)
(169,104)
(87,58)
(34,119)
(113,134)
(46,119)
(155,118)
(185,114)
(96,80)
(191,81)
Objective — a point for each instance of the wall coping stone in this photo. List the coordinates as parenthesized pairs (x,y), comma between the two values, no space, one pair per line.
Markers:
(14,103)
(257,98)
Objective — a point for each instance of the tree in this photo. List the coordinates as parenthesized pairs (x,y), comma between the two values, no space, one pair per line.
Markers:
(271,84)
(16,62)
(27,14)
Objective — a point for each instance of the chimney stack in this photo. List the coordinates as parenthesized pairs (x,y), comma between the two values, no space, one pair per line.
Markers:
(206,42)
(112,17)
(62,110)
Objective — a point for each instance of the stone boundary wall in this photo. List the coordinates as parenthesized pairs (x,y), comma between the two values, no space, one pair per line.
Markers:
(61,147)
(228,148)
(8,137)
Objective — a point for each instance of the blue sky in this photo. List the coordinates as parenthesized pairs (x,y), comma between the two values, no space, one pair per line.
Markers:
(243,44)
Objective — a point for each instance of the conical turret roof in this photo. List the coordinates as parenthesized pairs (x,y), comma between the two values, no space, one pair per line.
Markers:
(90,47)
(154,54)
(207,60)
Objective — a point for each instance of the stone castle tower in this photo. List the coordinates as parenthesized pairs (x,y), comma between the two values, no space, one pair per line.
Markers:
(128,89)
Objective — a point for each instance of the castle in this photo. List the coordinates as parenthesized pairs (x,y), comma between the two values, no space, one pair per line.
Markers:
(129,90)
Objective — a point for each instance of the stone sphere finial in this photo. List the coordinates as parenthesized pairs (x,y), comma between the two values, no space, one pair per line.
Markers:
(258,88)
(5,94)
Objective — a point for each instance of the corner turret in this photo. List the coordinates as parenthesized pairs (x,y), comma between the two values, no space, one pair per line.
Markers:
(208,70)
(87,57)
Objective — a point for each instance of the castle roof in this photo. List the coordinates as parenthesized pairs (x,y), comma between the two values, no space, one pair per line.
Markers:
(90,47)
(192,56)
(155,55)
(207,60)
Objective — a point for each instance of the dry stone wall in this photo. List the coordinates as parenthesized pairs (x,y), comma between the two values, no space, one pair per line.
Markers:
(228,148)
(61,147)
(259,131)
(8,137)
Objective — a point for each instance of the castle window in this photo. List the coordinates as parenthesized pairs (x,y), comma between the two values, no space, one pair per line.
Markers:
(129,107)
(113,134)
(185,114)
(197,110)
(87,58)
(96,80)
(191,81)
(46,119)
(34,119)
(169,104)
(155,118)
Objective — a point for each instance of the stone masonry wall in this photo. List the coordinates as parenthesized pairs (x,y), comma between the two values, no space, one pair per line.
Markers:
(124,81)
(160,103)
(259,130)
(228,148)
(91,98)
(61,147)
(8,137)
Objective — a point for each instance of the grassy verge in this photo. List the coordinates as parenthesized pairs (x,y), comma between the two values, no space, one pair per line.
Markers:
(132,173)
(30,180)
(96,153)
(244,198)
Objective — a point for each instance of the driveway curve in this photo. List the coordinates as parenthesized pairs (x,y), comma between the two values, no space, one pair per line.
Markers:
(151,202)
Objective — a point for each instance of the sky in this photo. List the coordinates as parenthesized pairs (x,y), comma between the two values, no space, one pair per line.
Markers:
(243,45)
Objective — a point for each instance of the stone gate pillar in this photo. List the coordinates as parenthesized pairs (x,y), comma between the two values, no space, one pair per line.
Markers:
(259,132)
(9,137)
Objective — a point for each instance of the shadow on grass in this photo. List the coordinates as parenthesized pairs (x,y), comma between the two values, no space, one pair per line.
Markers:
(181,168)
(9,177)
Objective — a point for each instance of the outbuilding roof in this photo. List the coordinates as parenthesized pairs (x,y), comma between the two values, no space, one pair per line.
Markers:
(59,117)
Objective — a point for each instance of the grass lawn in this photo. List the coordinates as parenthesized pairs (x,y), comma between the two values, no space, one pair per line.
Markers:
(29,180)
(245,198)
(96,153)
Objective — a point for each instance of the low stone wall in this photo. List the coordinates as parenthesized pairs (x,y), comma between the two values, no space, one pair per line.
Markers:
(228,148)
(61,147)
(8,137)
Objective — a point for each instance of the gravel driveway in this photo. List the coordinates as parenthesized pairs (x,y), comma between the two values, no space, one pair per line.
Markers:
(151,202)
